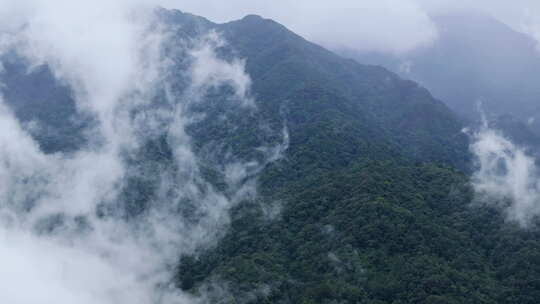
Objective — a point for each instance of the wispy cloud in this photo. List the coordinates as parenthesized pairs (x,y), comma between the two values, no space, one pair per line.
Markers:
(63,220)
(506,176)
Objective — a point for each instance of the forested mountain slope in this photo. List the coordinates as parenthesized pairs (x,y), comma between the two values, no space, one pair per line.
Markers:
(361,219)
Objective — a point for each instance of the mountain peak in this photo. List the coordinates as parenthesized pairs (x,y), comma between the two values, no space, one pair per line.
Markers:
(257,20)
(175,16)
(253,17)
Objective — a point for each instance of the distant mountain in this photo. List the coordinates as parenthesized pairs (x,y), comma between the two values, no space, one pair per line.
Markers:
(370,203)
(476,59)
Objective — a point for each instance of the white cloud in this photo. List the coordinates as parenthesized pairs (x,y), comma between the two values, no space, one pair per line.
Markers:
(506,176)
(208,71)
(55,243)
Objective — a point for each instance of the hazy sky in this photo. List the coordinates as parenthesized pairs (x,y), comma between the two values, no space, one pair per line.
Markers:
(372,25)
(380,25)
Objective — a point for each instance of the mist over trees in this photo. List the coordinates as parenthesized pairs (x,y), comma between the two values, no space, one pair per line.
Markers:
(149,155)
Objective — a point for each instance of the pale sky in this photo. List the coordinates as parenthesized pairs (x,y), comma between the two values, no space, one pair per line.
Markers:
(373,25)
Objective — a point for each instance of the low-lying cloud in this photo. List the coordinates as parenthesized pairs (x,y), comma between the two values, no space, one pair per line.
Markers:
(506,176)
(66,233)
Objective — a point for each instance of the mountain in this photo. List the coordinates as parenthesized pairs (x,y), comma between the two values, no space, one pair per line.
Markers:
(475,59)
(369,201)
(289,71)
(371,206)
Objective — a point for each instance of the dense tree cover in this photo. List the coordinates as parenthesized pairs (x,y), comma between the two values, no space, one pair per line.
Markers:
(283,65)
(377,232)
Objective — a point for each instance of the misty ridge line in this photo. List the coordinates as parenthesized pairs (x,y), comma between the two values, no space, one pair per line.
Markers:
(63,212)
